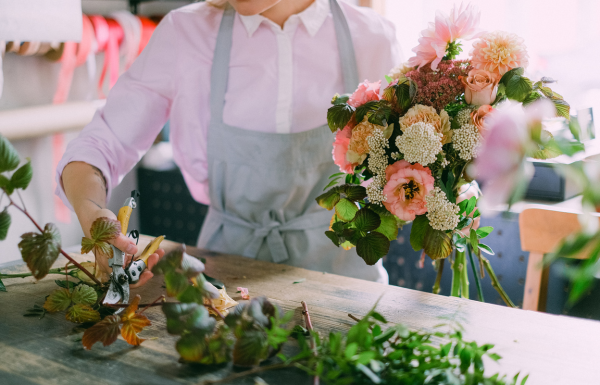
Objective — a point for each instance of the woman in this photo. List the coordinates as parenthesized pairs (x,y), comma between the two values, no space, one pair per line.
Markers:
(246,86)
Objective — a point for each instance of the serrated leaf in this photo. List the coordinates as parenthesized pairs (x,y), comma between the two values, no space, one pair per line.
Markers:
(22,177)
(133,323)
(483,232)
(105,331)
(345,210)
(333,236)
(200,321)
(518,88)
(366,220)
(40,251)
(354,193)
(417,232)
(388,227)
(563,108)
(437,244)
(176,283)
(79,313)
(340,99)
(5,221)
(103,230)
(372,247)
(65,284)
(329,199)
(250,348)
(84,295)
(403,94)
(58,300)
(190,347)
(531,97)
(486,249)
(338,116)
(9,157)
(508,75)
(471,203)
(365,109)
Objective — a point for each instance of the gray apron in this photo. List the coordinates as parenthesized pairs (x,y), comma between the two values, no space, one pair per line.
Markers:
(263,185)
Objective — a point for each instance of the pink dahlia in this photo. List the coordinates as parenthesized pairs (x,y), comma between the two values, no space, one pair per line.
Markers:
(406,188)
(499,52)
(460,24)
(365,93)
(340,148)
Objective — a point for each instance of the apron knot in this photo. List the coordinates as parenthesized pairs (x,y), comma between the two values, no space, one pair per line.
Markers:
(271,230)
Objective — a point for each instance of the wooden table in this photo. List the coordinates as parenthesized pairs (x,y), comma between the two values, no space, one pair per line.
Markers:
(552,349)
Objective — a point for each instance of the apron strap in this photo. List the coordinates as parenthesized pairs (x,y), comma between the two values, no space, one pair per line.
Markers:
(220,66)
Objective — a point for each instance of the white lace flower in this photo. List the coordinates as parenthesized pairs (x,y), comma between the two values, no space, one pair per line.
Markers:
(442,214)
(463,117)
(467,140)
(375,190)
(420,143)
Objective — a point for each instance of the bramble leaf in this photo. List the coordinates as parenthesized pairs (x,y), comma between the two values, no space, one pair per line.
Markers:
(22,177)
(388,227)
(372,247)
(354,193)
(176,283)
(345,210)
(563,108)
(518,88)
(417,232)
(82,313)
(250,348)
(9,158)
(5,221)
(103,231)
(329,199)
(338,116)
(437,244)
(40,251)
(84,295)
(58,300)
(105,331)
(366,220)
(133,323)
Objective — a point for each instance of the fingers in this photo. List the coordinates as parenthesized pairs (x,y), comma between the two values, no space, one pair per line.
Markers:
(145,277)
(125,244)
(147,274)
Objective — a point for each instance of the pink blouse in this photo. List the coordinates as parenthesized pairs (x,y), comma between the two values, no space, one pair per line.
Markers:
(281,81)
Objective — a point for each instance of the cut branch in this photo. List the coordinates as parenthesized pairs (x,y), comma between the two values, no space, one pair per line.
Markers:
(495,282)
(309,326)
(438,277)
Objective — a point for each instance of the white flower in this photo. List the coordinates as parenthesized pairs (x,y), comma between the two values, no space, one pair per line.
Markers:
(375,190)
(420,143)
(467,141)
(463,117)
(442,214)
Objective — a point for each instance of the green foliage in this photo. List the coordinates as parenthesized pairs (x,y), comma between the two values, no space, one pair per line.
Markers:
(453,49)
(40,251)
(353,193)
(340,99)
(372,247)
(339,115)
(437,244)
(103,230)
(4,223)
(22,177)
(9,158)
(346,210)
(417,232)
(79,303)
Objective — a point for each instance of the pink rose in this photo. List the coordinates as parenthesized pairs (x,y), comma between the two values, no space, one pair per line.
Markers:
(405,191)
(480,115)
(481,87)
(365,93)
(340,148)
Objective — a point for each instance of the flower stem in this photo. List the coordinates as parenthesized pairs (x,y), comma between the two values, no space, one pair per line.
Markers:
(495,282)
(476,275)
(309,326)
(456,275)
(438,278)
(464,279)
(58,270)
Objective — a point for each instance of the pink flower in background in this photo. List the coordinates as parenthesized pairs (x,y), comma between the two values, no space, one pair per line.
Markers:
(406,188)
(365,93)
(340,148)
(460,24)
(499,52)
(244,292)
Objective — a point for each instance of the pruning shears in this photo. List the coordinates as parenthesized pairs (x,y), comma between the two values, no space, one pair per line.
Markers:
(123,276)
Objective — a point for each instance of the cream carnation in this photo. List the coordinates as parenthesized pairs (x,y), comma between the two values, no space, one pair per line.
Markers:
(420,143)
(442,214)
(467,141)
(499,52)
(358,147)
(427,114)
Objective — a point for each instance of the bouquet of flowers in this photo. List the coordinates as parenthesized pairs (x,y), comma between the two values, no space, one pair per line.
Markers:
(406,153)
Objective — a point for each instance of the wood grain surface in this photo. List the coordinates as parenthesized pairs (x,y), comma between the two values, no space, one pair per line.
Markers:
(552,349)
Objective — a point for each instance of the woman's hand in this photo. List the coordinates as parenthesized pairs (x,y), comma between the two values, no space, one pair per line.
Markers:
(147,274)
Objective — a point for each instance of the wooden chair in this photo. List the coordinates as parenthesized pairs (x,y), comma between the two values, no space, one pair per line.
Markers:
(542,229)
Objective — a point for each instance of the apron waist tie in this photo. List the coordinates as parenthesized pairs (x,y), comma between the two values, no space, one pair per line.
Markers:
(271,230)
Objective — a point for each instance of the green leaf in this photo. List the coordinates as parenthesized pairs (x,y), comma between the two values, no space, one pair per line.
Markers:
(82,313)
(340,99)
(369,373)
(22,177)
(418,230)
(176,283)
(366,220)
(333,236)
(9,158)
(345,210)
(250,348)
(200,321)
(508,75)
(351,350)
(40,251)
(58,300)
(471,203)
(437,244)
(532,97)
(84,295)
(486,249)
(483,232)
(190,347)
(65,284)
(372,247)
(388,79)
(338,116)
(190,293)
(563,108)
(5,221)
(329,199)
(403,94)
(103,230)
(353,192)
(518,88)
(332,183)
(366,108)
(388,227)
(473,240)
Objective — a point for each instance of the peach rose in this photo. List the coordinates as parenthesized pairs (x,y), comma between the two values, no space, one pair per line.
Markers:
(365,93)
(481,87)
(427,114)
(406,188)
(340,148)
(480,115)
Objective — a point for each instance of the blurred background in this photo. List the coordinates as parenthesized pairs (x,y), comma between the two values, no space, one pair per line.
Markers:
(561,38)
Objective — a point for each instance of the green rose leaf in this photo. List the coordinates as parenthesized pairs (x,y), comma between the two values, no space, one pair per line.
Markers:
(82,313)
(40,251)
(353,192)
(9,158)
(333,236)
(508,75)
(4,224)
(417,232)
(103,230)
(345,210)
(58,300)
(366,109)
(338,116)
(329,199)
(437,244)
(22,177)
(563,108)
(84,295)
(532,97)
(388,227)
(518,88)
(366,220)
(372,247)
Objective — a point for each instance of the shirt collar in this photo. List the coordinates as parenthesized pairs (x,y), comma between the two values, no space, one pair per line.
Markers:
(312,17)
